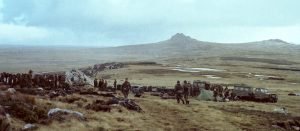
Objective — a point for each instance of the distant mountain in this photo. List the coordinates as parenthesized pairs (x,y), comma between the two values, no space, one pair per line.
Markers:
(43,58)
(182,45)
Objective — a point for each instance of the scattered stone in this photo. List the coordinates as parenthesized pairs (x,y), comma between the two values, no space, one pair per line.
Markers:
(282,110)
(62,114)
(29,127)
(11,90)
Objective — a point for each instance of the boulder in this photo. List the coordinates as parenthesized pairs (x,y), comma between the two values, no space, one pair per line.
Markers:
(11,90)
(62,114)
(77,78)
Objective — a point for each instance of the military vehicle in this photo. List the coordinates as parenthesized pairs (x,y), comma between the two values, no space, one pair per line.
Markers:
(244,92)
(262,94)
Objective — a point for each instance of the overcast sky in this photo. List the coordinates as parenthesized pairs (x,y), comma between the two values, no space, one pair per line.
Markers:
(120,22)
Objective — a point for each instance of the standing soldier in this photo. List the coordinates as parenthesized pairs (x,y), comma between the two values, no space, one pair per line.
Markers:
(30,72)
(186,87)
(207,86)
(105,85)
(55,80)
(14,81)
(10,80)
(215,94)
(5,76)
(62,81)
(95,82)
(115,83)
(125,88)
(179,91)
(42,81)
(100,84)
(21,80)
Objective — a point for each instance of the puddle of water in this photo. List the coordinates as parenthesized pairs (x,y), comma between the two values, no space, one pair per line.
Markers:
(212,76)
(263,76)
(259,75)
(183,69)
(205,69)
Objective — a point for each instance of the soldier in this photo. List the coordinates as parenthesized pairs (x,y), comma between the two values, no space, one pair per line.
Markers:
(179,91)
(95,82)
(10,80)
(186,88)
(207,86)
(46,78)
(100,84)
(226,94)
(62,79)
(38,80)
(215,94)
(190,89)
(18,77)
(14,81)
(125,88)
(51,81)
(55,80)
(226,88)
(22,81)
(115,83)
(5,75)
(30,72)
(42,81)
(28,80)
(105,85)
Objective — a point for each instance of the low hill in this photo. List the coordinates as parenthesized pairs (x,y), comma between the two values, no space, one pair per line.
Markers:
(182,45)
(23,58)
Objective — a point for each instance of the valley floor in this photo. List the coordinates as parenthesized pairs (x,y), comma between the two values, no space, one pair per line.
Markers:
(161,114)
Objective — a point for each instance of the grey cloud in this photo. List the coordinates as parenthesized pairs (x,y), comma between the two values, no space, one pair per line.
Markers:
(141,21)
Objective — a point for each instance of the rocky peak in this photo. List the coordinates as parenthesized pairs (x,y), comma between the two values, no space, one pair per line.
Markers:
(180,37)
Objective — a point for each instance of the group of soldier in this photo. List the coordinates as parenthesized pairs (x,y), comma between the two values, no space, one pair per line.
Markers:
(101,84)
(186,89)
(182,91)
(218,91)
(30,80)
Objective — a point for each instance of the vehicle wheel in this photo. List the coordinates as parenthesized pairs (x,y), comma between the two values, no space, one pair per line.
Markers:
(274,100)
(271,100)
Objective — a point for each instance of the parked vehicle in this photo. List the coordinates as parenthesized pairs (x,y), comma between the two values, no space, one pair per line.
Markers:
(244,92)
